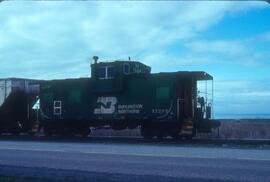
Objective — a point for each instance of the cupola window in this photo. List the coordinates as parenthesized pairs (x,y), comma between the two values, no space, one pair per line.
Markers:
(106,72)
(126,68)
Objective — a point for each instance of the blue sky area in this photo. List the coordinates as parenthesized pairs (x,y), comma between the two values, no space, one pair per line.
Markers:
(228,39)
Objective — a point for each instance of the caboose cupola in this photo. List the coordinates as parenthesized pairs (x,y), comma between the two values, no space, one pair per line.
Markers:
(113,69)
(108,75)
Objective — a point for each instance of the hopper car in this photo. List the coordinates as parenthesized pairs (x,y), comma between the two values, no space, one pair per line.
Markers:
(17,96)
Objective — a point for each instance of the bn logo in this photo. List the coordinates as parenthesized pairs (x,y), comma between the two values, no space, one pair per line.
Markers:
(107,105)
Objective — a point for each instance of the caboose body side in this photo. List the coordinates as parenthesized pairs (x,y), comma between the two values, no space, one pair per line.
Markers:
(124,94)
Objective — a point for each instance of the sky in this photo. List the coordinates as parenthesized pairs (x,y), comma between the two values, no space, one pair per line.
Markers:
(228,39)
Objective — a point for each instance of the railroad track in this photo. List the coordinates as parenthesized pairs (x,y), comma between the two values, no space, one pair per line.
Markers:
(213,142)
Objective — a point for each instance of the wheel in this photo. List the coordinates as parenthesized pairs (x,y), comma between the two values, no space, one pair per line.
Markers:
(66,131)
(175,134)
(31,133)
(85,132)
(188,137)
(160,134)
(16,130)
(146,132)
(47,131)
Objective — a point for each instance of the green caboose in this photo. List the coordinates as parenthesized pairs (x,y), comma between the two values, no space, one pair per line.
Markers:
(124,94)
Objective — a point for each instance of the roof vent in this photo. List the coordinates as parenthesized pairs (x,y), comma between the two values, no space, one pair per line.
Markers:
(95,58)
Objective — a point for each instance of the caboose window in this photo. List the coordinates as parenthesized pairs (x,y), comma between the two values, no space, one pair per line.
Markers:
(107,72)
(75,97)
(126,68)
(102,73)
(162,93)
(110,72)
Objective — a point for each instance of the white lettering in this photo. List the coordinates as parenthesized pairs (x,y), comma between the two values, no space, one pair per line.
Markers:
(130,109)
(107,105)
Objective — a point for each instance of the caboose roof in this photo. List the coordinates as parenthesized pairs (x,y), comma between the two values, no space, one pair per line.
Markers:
(197,75)
(200,75)
(122,62)
(119,61)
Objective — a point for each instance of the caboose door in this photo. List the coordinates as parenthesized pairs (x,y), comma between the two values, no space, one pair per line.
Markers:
(184,99)
(180,109)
